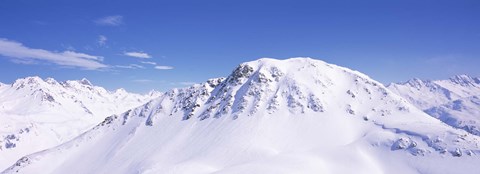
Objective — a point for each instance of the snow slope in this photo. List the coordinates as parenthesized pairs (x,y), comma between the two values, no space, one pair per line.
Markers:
(37,114)
(454,101)
(298,115)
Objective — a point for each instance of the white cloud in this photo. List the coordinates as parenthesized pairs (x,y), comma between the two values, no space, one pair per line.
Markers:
(102,40)
(141,55)
(131,66)
(26,62)
(150,63)
(163,67)
(20,53)
(110,20)
(81,55)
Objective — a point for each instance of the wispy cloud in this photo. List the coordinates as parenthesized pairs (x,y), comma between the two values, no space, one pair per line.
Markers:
(150,63)
(102,40)
(20,53)
(115,20)
(163,67)
(26,62)
(131,66)
(156,66)
(141,55)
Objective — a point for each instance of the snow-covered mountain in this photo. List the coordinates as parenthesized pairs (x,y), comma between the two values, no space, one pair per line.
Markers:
(455,101)
(37,114)
(298,115)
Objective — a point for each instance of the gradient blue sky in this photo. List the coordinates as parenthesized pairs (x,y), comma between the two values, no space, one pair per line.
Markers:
(191,41)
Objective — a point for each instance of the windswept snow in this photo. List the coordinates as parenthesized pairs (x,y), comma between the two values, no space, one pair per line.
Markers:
(298,115)
(37,114)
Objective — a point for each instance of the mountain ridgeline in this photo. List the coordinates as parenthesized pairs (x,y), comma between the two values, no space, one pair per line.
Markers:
(37,114)
(455,101)
(298,115)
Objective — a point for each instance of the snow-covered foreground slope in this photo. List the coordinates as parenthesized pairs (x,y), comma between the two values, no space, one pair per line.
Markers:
(37,114)
(455,101)
(269,116)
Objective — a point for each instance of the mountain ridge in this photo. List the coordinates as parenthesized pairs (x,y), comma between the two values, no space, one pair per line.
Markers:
(267,116)
(37,114)
(453,101)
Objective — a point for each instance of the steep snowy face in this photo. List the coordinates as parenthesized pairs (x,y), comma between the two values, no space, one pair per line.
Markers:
(298,115)
(299,84)
(453,101)
(465,80)
(36,114)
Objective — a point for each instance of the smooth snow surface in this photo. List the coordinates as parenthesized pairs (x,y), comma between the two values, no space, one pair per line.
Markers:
(37,114)
(298,115)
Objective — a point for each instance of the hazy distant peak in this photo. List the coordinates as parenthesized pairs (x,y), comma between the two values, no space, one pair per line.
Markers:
(51,81)
(85,81)
(464,80)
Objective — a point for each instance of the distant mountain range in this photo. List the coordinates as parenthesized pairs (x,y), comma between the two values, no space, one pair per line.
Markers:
(455,101)
(298,115)
(37,114)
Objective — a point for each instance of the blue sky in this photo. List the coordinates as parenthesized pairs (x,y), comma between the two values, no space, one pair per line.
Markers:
(142,45)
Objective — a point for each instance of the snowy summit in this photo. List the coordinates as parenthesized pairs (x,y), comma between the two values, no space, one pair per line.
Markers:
(298,115)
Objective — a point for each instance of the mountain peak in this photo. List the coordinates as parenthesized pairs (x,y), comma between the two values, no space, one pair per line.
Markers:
(28,81)
(31,79)
(277,62)
(461,77)
(464,80)
(51,81)
(415,82)
(215,81)
(477,80)
(265,109)
(121,91)
(297,84)
(85,81)
(263,68)
(153,92)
